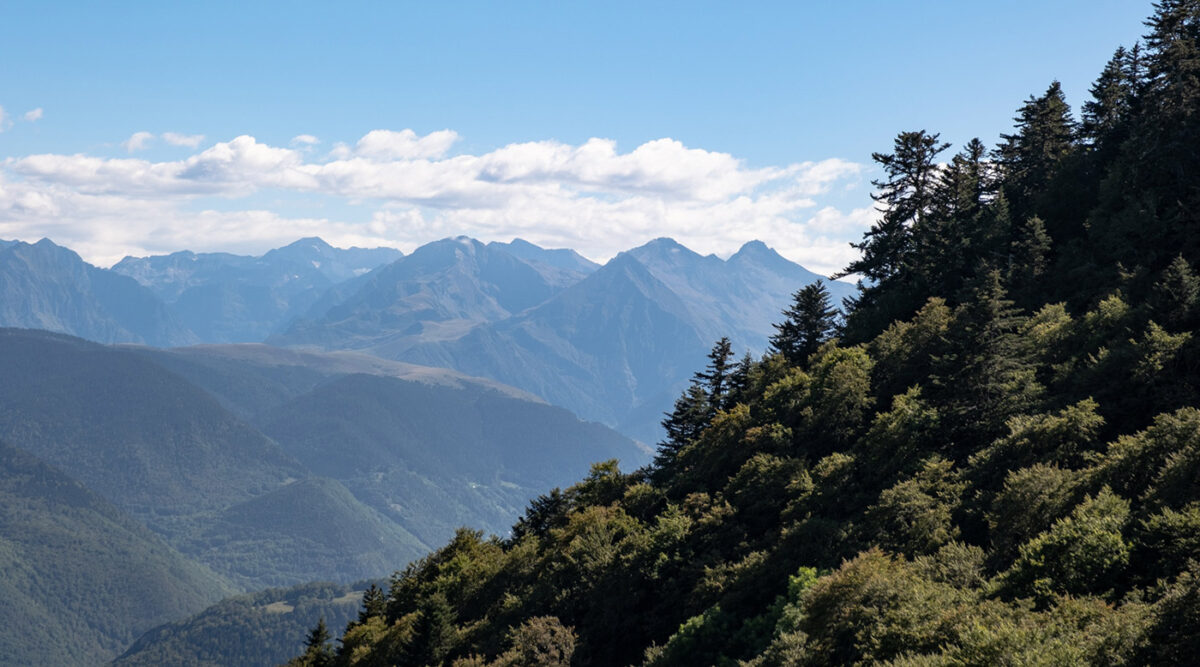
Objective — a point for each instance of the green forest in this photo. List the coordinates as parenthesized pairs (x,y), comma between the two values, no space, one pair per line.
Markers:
(991,455)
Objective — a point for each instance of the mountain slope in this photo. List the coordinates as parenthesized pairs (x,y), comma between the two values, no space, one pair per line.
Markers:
(339,536)
(82,579)
(434,458)
(258,629)
(429,448)
(439,291)
(562,258)
(613,344)
(45,286)
(139,435)
(165,451)
(619,345)
(235,298)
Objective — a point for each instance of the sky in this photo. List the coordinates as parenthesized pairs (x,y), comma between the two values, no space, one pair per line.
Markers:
(145,128)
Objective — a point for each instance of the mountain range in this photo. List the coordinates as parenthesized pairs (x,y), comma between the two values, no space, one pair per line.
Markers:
(205,471)
(613,343)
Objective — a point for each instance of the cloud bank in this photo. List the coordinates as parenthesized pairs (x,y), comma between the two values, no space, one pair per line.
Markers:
(402,189)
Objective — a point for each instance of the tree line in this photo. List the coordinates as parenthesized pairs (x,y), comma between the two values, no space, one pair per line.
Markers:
(990,455)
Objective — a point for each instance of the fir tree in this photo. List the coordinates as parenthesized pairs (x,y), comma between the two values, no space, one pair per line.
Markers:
(715,376)
(1031,156)
(374,604)
(1112,98)
(1029,259)
(1174,298)
(905,199)
(683,425)
(433,634)
(807,323)
(317,651)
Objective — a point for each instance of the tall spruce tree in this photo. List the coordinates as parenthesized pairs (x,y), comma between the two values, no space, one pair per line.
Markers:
(374,604)
(1174,299)
(1031,156)
(715,377)
(433,633)
(1112,96)
(317,651)
(807,323)
(987,373)
(905,198)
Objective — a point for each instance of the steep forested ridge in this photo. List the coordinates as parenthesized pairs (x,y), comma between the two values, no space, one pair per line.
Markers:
(996,461)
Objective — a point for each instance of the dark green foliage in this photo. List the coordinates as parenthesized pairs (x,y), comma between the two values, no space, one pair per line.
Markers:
(807,323)
(259,629)
(998,462)
(716,377)
(906,199)
(374,604)
(433,634)
(1174,298)
(317,651)
(1033,154)
(82,579)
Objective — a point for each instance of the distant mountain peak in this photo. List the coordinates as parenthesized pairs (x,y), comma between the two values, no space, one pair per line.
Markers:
(754,246)
(757,252)
(315,242)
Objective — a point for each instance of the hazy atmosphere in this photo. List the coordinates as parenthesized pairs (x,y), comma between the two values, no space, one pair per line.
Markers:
(137,129)
(574,334)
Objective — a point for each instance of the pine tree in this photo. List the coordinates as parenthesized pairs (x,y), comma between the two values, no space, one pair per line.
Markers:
(715,376)
(807,323)
(317,651)
(1031,156)
(1112,99)
(1174,298)
(1029,259)
(374,604)
(433,634)
(905,199)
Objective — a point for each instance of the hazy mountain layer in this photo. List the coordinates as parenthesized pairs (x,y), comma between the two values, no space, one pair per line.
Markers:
(235,298)
(615,344)
(255,630)
(45,286)
(81,578)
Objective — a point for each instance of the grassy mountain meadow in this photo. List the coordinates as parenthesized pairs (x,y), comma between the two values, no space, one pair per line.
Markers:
(991,457)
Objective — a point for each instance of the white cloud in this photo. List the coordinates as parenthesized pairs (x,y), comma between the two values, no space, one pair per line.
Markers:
(188,140)
(33,115)
(305,140)
(590,196)
(5,123)
(405,144)
(137,141)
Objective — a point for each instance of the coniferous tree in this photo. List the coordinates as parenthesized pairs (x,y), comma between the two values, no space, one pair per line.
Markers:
(1112,99)
(1029,259)
(807,323)
(1032,155)
(957,234)
(986,376)
(716,375)
(433,634)
(318,652)
(1176,295)
(905,198)
(374,604)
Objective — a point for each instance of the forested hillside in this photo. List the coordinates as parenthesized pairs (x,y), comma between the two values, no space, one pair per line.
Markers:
(994,458)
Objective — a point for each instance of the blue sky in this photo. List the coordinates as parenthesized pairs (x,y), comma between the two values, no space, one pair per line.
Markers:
(777,104)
